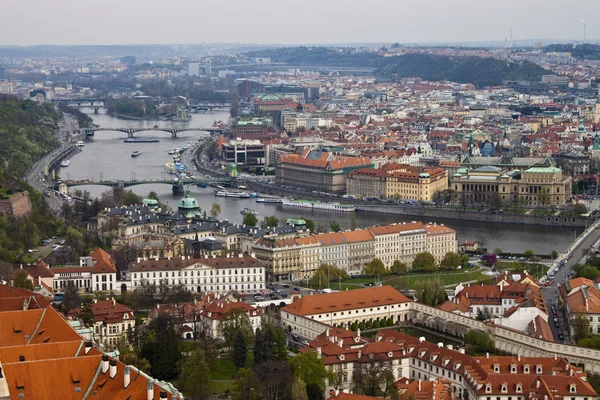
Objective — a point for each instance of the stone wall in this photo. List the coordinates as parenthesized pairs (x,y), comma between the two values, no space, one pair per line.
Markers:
(18,205)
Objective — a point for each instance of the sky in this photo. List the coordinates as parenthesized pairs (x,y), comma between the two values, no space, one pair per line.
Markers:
(35,22)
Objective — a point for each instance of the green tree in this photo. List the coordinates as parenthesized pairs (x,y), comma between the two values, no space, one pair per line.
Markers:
(464,260)
(334,226)
(589,272)
(424,262)
(299,390)
(554,254)
(430,292)
(451,261)
(235,321)
(195,377)
(581,327)
(131,199)
(528,253)
(327,273)
(580,209)
(87,315)
(271,221)
(250,219)
(497,251)
(21,281)
(215,210)
(247,385)
(375,267)
(353,222)
(398,267)
(240,349)
(165,354)
(311,369)
(310,225)
(482,342)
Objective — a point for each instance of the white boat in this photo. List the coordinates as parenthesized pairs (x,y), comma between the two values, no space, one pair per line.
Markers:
(273,200)
(170,168)
(80,144)
(65,163)
(317,205)
(248,211)
(237,194)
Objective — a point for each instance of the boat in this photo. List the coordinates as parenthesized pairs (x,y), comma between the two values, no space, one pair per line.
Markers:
(202,184)
(317,205)
(227,193)
(80,144)
(170,168)
(171,152)
(272,200)
(248,211)
(65,163)
(136,153)
(141,140)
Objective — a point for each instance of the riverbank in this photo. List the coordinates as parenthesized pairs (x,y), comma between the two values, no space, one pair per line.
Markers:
(428,213)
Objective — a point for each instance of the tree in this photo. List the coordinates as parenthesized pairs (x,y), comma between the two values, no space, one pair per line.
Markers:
(22,282)
(71,298)
(248,385)
(375,267)
(310,368)
(371,378)
(195,377)
(299,390)
(482,242)
(215,210)
(165,351)
(424,262)
(580,209)
(250,219)
(334,226)
(87,315)
(589,272)
(276,378)
(271,221)
(464,260)
(497,251)
(528,253)
(482,342)
(235,321)
(581,327)
(451,261)
(240,349)
(131,199)
(398,267)
(554,254)
(494,202)
(430,292)
(310,225)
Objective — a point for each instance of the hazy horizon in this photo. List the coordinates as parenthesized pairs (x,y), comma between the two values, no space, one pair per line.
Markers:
(270,22)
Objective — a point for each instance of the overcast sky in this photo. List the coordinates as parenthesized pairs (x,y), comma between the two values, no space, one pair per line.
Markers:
(27,22)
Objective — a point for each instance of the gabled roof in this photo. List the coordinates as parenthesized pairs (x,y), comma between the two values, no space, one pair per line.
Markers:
(13,299)
(103,262)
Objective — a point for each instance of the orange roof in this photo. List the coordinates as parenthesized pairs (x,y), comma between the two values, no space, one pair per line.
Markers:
(13,299)
(107,311)
(359,235)
(45,351)
(438,229)
(341,301)
(103,262)
(352,396)
(397,228)
(331,238)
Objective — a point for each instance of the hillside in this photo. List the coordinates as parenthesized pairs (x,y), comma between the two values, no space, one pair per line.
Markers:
(26,133)
(477,70)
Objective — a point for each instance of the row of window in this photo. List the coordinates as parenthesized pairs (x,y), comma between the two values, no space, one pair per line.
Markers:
(223,272)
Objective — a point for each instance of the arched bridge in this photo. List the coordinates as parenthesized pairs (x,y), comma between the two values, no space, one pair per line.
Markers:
(122,183)
(131,131)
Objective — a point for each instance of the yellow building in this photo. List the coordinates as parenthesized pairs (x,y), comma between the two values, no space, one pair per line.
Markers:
(441,240)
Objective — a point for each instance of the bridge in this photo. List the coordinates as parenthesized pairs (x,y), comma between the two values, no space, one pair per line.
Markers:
(122,183)
(131,131)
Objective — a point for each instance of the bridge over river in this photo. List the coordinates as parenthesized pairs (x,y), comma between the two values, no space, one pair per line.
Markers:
(131,131)
(123,183)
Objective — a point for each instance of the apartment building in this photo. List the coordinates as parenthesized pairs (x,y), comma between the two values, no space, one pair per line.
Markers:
(310,316)
(361,249)
(467,377)
(213,313)
(112,321)
(96,272)
(334,249)
(367,182)
(441,240)
(402,241)
(581,296)
(283,256)
(217,274)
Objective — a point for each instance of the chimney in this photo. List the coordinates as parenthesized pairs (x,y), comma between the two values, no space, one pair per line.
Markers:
(139,259)
(327,332)
(113,368)
(88,347)
(359,353)
(358,332)
(519,357)
(555,357)
(449,347)
(487,355)
(341,342)
(319,351)
(126,377)
(440,345)
(537,384)
(104,363)
(421,339)
(149,391)
(501,286)
(461,351)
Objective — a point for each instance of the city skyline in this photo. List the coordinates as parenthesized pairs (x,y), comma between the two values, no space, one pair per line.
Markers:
(431,21)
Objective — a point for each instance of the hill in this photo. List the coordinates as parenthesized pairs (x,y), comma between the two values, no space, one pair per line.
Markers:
(477,70)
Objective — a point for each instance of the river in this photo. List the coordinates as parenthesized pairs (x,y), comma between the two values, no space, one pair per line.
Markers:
(107,157)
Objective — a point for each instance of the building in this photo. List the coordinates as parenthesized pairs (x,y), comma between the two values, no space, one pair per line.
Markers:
(367,182)
(534,187)
(361,249)
(39,274)
(418,366)
(441,240)
(283,256)
(96,273)
(412,183)
(402,241)
(244,152)
(212,315)
(13,299)
(310,316)
(44,358)
(208,67)
(581,296)
(216,274)
(112,321)
(318,171)
(255,126)
(334,249)
(194,69)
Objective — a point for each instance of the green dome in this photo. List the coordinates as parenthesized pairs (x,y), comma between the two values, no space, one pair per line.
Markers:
(188,206)
(150,202)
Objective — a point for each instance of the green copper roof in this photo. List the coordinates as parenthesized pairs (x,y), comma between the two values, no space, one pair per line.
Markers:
(543,170)
(188,206)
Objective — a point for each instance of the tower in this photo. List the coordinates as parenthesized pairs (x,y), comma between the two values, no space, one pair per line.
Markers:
(596,117)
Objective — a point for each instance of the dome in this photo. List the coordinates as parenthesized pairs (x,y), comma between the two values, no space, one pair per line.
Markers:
(423,175)
(188,206)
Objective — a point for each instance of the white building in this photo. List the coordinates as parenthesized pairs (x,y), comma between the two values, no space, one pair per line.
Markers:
(194,69)
(216,274)
(310,316)
(334,249)
(95,273)
(399,242)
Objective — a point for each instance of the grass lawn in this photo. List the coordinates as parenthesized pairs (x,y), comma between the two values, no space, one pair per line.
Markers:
(225,368)
(536,270)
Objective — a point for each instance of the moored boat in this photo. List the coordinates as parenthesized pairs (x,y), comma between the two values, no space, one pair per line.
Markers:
(272,200)
(65,163)
(248,211)
(136,153)
(317,205)
(227,193)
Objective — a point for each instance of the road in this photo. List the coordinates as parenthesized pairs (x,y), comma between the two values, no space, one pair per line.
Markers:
(561,276)
(35,176)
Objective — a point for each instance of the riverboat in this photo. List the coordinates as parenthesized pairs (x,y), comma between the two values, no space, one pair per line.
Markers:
(269,200)
(141,140)
(170,168)
(248,211)
(136,153)
(317,205)
(65,163)
(227,193)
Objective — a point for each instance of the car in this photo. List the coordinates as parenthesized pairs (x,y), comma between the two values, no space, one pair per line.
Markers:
(297,289)
(30,251)
(305,342)
(286,286)
(43,244)
(295,335)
